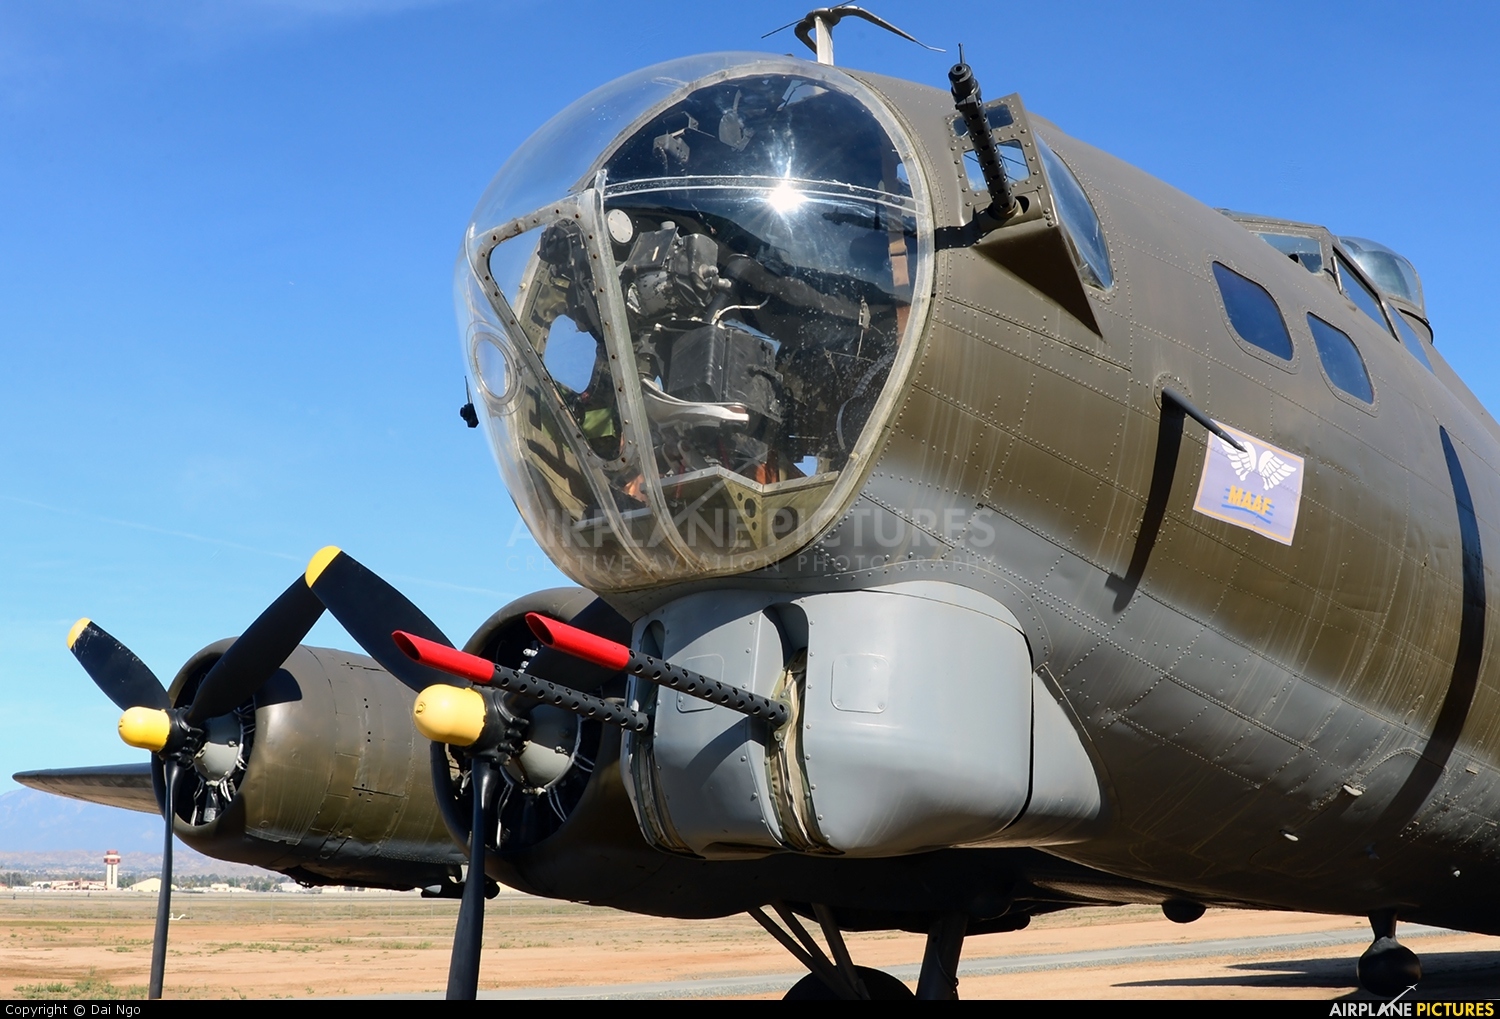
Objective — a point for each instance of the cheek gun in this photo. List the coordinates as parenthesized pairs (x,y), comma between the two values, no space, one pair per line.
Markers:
(592,648)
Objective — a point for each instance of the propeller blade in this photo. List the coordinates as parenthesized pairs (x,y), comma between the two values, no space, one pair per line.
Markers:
(371,610)
(164,897)
(468,938)
(115,669)
(254,658)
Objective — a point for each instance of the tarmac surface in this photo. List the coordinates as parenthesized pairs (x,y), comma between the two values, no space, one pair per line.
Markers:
(372,945)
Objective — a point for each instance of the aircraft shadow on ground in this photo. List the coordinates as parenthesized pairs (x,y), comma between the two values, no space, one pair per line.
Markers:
(1445,974)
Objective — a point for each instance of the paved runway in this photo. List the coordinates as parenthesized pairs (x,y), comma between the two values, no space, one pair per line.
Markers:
(1261,963)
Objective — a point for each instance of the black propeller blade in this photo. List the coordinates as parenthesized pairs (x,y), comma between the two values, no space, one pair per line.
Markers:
(115,669)
(371,610)
(175,734)
(257,654)
(170,771)
(468,937)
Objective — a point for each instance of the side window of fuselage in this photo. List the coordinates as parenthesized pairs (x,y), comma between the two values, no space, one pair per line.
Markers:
(1079,220)
(1253,313)
(1341,360)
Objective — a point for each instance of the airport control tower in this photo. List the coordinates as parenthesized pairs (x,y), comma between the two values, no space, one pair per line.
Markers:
(111,870)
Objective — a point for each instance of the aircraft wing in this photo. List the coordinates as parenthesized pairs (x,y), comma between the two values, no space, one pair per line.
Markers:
(114,785)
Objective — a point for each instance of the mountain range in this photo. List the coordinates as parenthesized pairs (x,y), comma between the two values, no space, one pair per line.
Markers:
(40,832)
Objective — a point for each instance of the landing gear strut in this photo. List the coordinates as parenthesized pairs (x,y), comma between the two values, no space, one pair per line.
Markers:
(836,979)
(1387,968)
(945,940)
(839,979)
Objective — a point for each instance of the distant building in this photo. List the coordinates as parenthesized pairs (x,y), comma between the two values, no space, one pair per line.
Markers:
(150,885)
(69,886)
(111,870)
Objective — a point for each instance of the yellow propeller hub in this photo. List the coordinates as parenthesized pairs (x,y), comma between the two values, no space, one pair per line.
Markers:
(450,714)
(147,728)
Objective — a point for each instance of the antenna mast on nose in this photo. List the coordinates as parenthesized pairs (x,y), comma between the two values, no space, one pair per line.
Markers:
(816,29)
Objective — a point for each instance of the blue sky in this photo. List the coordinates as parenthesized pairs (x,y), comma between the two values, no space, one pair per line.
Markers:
(227,229)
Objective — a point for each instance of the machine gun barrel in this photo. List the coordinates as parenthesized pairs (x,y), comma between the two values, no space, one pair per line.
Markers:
(484,672)
(593,648)
(970,105)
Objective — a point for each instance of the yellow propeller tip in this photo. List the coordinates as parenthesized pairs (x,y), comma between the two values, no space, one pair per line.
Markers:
(320,561)
(77,629)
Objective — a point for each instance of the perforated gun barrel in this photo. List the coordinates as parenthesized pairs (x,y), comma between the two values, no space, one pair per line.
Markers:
(593,648)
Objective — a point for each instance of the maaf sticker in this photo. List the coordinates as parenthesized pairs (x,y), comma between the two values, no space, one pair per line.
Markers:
(1259,488)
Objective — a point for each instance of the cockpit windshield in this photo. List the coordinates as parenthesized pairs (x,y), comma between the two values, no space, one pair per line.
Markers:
(1390,272)
(704,328)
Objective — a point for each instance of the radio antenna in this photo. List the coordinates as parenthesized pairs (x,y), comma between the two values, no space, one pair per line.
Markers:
(816,29)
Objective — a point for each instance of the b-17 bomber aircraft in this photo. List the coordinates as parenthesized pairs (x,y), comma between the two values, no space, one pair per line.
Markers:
(968,526)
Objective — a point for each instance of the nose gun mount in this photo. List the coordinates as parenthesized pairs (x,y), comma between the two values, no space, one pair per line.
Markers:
(969,102)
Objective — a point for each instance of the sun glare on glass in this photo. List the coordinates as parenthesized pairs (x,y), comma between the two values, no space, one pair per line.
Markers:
(784,198)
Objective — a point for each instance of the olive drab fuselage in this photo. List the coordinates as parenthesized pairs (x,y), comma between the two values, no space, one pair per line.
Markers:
(1299,724)
(1115,549)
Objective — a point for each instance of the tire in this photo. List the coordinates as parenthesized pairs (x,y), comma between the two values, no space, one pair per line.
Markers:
(881,985)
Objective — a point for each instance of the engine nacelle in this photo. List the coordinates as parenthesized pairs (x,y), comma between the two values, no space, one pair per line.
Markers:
(322,777)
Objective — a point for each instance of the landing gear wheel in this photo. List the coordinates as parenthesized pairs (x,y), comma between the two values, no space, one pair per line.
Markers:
(881,985)
(1387,968)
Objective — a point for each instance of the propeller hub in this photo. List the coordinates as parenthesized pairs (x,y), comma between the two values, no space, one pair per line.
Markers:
(450,714)
(146,728)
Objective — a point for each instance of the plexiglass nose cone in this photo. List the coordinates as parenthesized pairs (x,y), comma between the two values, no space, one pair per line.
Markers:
(702,332)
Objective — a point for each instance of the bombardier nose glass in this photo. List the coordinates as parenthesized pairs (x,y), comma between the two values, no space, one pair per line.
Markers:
(703,337)
(561,439)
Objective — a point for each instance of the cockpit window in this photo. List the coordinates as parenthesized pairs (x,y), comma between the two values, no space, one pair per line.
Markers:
(1389,271)
(1341,360)
(1253,312)
(702,334)
(1079,220)
(1363,297)
(1410,341)
(1305,251)
(1420,327)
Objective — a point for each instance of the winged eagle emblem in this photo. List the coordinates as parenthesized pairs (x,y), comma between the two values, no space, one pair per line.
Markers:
(1273,470)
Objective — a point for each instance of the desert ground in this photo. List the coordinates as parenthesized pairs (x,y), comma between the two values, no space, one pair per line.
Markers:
(275,945)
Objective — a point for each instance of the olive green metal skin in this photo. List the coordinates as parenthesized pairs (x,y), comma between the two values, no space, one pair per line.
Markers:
(1236,694)
(337,786)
